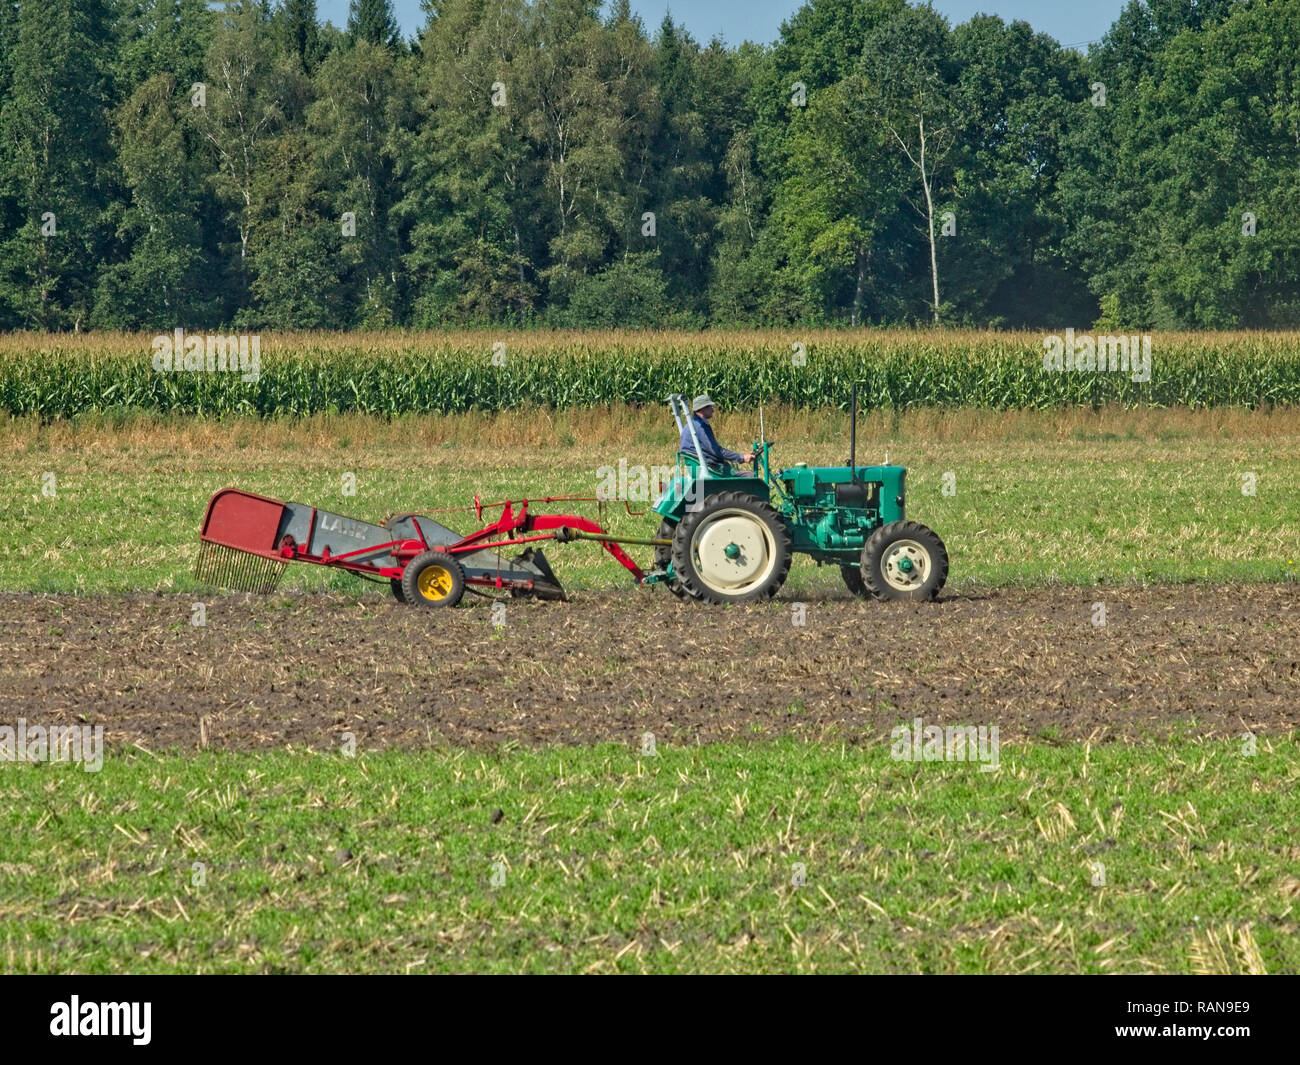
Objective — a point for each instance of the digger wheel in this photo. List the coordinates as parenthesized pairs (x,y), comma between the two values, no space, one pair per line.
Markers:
(396,584)
(734,549)
(904,560)
(664,555)
(433,579)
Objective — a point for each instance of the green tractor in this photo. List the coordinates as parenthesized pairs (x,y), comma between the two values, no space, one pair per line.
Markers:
(728,536)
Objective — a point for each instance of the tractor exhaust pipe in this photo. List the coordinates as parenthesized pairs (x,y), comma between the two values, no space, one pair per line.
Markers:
(857,493)
(853,433)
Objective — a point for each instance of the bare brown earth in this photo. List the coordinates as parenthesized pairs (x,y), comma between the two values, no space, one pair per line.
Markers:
(304,669)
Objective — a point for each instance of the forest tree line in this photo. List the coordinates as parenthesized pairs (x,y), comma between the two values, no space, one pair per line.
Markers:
(554,162)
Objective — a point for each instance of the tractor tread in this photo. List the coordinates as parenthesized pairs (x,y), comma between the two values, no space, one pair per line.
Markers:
(853,581)
(664,555)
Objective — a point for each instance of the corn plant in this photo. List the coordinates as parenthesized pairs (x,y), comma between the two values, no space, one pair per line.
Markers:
(398,373)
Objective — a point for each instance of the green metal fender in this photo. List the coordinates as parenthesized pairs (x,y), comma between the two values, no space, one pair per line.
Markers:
(687,485)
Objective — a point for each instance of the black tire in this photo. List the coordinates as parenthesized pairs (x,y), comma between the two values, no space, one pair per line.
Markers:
(904,560)
(442,589)
(664,555)
(853,581)
(396,582)
(770,542)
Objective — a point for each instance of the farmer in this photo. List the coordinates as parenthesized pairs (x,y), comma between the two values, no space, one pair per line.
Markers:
(715,455)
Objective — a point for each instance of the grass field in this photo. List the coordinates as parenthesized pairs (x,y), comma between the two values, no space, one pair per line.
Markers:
(1174,852)
(1081,497)
(1170,858)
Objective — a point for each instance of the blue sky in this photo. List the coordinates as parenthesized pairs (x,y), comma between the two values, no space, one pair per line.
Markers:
(1071,23)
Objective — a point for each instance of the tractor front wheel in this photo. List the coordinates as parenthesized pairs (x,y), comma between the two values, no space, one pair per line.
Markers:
(904,560)
(433,579)
(734,549)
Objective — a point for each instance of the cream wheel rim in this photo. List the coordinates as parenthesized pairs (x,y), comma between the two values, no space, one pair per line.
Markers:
(906,565)
(734,552)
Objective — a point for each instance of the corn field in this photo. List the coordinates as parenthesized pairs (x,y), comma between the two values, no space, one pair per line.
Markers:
(396,373)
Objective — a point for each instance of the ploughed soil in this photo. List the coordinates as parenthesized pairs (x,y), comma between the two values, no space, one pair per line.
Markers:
(304,669)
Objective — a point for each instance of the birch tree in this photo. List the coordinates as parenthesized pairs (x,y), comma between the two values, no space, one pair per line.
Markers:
(909,75)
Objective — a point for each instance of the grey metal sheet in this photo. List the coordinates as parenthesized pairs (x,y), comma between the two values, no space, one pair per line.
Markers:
(343,535)
(295,522)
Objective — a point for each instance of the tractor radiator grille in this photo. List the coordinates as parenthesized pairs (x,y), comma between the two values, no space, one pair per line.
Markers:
(228,567)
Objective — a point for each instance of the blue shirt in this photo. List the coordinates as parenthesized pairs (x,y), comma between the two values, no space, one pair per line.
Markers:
(714,453)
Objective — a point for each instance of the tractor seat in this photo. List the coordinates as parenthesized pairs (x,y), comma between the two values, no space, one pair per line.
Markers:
(694,459)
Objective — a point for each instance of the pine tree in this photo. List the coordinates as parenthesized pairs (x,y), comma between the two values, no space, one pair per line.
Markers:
(299,33)
(373,21)
(162,282)
(469,212)
(362,108)
(162,37)
(252,97)
(55,159)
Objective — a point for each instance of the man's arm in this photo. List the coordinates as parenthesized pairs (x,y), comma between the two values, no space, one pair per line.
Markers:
(715,452)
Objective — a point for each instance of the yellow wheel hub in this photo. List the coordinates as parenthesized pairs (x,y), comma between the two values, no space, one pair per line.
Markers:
(434,582)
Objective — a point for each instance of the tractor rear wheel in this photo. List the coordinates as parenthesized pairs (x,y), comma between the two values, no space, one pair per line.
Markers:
(433,579)
(853,581)
(664,555)
(904,560)
(734,549)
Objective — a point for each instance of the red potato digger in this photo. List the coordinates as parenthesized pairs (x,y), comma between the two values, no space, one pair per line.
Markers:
(247,539)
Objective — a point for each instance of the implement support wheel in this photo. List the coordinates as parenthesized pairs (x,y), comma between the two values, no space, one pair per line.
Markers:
(433,579)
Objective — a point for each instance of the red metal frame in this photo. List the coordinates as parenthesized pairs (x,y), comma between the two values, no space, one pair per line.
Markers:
(513,526)
(510,522)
